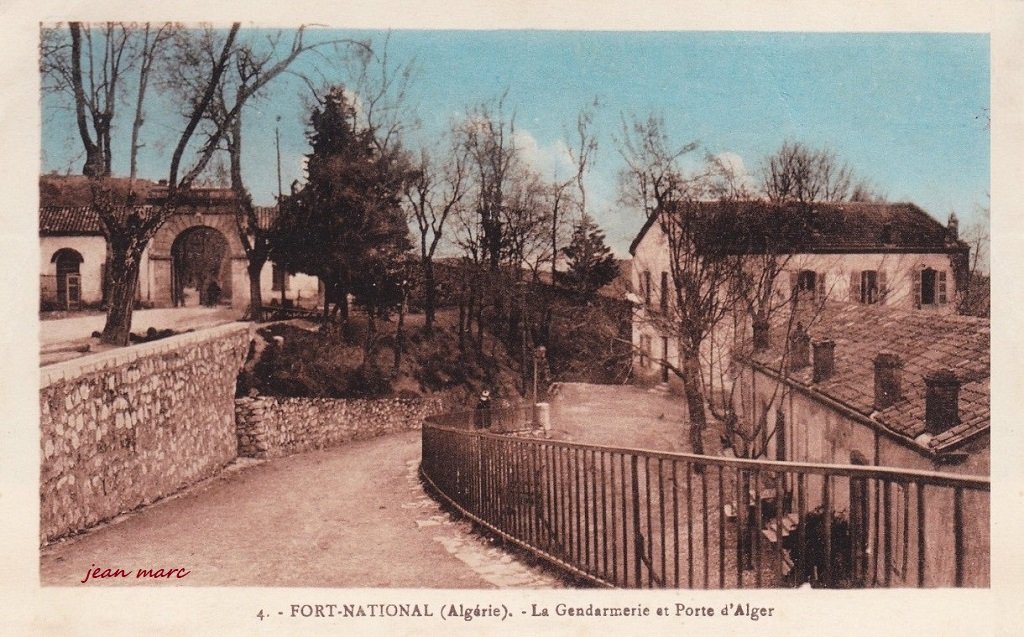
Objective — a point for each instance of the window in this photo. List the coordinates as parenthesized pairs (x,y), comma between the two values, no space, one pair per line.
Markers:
(664,359)
(808,284)
(930,287)
(867,286)
(805,282)
(645,350)
(664,291)
(280,279)
(645,283)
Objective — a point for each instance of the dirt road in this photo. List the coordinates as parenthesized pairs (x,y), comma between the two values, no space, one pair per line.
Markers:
(352,516)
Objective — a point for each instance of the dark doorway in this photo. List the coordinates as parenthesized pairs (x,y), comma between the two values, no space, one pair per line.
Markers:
(201,268)
(69,282)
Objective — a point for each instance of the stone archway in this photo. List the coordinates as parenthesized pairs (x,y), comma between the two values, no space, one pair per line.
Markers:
(184,234)
(200,267)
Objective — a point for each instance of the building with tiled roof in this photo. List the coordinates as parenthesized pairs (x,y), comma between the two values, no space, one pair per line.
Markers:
(893,255)
(894,387)
(195,253)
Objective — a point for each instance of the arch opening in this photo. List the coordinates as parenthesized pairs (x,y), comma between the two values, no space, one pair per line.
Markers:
(200,268)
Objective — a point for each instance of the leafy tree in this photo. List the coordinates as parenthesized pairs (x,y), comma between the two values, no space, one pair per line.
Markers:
(345,225)
(590,260)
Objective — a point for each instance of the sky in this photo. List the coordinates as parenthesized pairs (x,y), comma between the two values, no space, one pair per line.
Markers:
(909,112)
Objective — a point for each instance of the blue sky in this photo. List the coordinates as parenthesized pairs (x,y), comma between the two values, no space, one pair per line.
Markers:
(906,111)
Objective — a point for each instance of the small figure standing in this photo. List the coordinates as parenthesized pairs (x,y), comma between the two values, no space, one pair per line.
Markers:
(482,417)
(212,294)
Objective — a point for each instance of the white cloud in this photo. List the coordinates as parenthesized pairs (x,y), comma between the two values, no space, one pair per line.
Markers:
(734,165)
(552,161)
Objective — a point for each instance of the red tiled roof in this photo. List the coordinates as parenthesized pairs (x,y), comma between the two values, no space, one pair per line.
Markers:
(68,220)
(747,227)
(925,343)
(82,220)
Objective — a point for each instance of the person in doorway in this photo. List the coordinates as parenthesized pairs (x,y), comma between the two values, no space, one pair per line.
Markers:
(482,418)
(212,294)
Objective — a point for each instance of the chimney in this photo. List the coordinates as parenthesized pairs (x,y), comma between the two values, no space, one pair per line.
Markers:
(761,338)
(941,401)
(799,349)
(888,368)
(824,359)
(953,227)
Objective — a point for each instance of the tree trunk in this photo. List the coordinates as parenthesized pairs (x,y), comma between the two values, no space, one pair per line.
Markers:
(124,280)
(694,402)
(255,293)
(341,303)
(430,298)
(400,334)
(371,332)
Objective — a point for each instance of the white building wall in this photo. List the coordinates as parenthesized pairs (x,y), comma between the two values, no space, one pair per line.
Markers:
(303,289)
(835,274)
(94,253)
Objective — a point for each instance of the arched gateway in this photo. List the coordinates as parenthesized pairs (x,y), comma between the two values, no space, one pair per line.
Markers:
(198,258)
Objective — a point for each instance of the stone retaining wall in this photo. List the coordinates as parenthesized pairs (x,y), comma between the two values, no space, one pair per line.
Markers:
(125,427)
(271,426)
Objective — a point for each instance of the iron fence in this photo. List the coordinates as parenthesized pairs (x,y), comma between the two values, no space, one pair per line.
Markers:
(635,518)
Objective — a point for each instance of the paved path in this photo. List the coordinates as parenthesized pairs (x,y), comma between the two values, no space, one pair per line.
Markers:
(79,328)
(620,416)
(351,516)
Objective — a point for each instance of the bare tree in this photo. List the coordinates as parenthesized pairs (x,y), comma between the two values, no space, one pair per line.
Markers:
(972,268)
(433,193)
(89,62)
(255,65)
(582,155)
(652,176)
(796,173)
(128,229)
(153,40)
(694,300)
(488,137)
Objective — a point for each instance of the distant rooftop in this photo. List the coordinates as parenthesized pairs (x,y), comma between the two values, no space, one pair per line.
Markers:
(757,226)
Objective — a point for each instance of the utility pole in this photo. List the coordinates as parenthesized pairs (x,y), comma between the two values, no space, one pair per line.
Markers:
(277,136)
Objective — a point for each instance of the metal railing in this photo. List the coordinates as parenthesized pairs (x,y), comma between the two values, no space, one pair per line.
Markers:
(635,518)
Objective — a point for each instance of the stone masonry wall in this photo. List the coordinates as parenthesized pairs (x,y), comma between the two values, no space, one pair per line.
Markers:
(270,426)
(125,427)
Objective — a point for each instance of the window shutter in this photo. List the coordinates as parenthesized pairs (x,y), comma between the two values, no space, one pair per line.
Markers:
(820,279)
(882,289)
(917,288)
(942,287)
(664,291)
(794,283)
(855,286)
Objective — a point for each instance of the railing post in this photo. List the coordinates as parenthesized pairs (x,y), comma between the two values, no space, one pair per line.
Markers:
(637,536)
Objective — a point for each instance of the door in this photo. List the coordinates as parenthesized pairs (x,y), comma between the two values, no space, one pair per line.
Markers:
(73,290)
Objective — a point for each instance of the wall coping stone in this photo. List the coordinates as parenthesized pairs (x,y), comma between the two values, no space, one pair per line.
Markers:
(83,365)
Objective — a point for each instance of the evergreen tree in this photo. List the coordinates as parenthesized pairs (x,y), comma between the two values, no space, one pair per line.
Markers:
(591,262)
(346,221)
